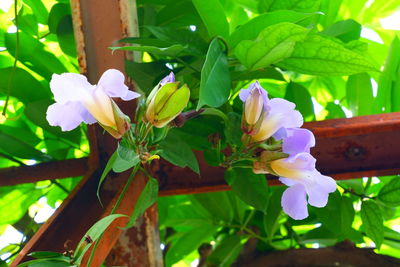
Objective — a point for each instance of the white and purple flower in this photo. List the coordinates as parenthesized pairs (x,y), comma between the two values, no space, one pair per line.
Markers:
(267,116)
(277,118)
(299,173)
(79,101)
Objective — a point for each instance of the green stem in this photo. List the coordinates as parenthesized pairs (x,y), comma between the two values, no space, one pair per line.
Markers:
(130,179)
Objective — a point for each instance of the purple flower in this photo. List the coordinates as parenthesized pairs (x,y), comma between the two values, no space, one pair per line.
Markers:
(78,101)
(280,114)
(264,118)
(299,173)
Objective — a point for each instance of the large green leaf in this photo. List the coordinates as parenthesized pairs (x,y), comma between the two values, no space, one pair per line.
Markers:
(65,36)
(345,30)
(39,9)
(390,193)
(15,201)
(226,251)
(319,55)
(33,54)
(215,81)
(359,94)
(187,242)
(253,27)
(250,187)
(217,204)
(126,157)
(176,151)
(272,45)
(147,197)
(20,148)
(372,220)
(172,51)
(274,210)
(213,16)
(94,233)
(342,207)
(388,94)
(23,86)
(295,5)
(299,95)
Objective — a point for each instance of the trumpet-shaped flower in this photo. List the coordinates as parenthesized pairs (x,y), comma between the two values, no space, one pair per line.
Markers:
(280,115)
(78,101)
(267,117)
(299,173)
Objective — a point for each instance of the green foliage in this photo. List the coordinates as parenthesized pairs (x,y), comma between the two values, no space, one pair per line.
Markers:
(309,52)
(372,221)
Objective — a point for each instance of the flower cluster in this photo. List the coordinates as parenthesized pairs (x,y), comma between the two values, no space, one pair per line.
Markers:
(276,121)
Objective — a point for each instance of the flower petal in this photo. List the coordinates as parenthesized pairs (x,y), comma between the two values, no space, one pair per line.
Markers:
(67,116)
(69,87)
(294,202)
(298,140)
(170,78)
(319,190)
(112,83)
(292,117)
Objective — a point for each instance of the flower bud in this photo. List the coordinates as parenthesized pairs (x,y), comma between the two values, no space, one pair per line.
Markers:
(263,164)
(255,102)
(122,122)
(165,103)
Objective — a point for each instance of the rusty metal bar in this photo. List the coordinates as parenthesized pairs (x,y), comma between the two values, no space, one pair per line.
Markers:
(44,171)
(346,148)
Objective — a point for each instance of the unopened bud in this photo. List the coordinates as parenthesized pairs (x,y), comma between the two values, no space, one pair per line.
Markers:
(166,103)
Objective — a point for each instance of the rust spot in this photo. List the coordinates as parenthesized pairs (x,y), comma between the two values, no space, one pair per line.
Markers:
(355,153)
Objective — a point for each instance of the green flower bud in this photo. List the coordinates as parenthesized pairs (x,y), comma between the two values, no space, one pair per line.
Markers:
(166,103)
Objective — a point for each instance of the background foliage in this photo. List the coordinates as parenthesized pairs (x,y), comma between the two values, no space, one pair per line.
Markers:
(332,58)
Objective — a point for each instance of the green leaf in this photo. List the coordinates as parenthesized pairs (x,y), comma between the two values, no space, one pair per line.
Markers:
(266,73)
(188,241)
(226,251)
(176,151)
(250,187)
(318,55)
(126,157)
(147,197)
(57,12)
(45,254)
(106,170)
(27,21)
(53,262)
(171,51)
(334,111)
(39,9)
(274,210)
(146,75)
(217,204)
(359,94)
(342,207)
(16,200)
(299,95)
(272,45)
(215,81)
(19,148)
(390,193)
(372,220)
(251,29)
(345,30)
(232,131)
(387,94)
(24,86)
(65,36)
(295,5)
(94,233)
(213,15)
(33,55)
